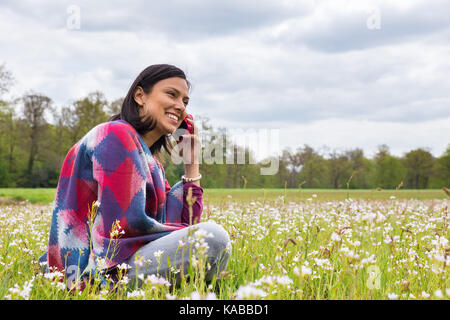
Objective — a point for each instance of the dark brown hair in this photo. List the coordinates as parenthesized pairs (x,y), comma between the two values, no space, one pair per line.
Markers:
(130,109)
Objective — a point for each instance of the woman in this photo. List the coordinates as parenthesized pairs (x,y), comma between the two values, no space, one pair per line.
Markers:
(113,204)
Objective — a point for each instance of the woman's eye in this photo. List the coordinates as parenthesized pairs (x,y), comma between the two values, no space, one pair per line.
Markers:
(171,93)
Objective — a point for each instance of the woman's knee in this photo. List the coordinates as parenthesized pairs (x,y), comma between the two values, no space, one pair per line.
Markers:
(218,238)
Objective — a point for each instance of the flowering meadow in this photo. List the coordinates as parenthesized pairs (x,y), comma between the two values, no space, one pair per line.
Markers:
(311,248)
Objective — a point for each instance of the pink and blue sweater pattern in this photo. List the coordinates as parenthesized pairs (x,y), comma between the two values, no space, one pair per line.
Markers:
(112,165)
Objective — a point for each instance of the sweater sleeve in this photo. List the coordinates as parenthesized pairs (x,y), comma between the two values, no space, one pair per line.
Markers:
(197,207)
(178,206)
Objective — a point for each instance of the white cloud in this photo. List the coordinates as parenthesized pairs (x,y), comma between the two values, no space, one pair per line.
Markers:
(344,134)
(298,67)
(337,134)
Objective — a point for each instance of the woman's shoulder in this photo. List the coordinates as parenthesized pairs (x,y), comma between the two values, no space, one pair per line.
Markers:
(111,130)
(121,127)
(117,126)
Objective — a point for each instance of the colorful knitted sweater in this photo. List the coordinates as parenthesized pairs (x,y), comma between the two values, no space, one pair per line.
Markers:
(113,165)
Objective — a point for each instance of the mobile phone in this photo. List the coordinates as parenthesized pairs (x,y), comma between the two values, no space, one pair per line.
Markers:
(184,128)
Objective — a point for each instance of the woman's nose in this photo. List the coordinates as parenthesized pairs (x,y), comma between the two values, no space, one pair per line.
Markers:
(180,106)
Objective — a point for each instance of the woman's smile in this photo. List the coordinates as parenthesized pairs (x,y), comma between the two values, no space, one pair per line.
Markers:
(172,116)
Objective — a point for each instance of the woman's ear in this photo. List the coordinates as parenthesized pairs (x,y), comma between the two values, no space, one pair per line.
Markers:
(139,96)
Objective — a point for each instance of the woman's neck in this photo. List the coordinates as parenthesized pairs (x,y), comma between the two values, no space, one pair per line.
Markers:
(151,137)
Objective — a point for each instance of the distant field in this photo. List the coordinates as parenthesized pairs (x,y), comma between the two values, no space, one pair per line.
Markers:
(47,195)
(306,244)
(285,245)
(295,195)
(34,195)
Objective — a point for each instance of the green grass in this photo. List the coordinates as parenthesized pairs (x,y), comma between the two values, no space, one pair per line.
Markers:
(286,244)
(33,195)
(47,195)
(217,195)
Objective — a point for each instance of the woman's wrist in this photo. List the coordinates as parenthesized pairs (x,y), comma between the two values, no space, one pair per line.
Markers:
(192,171)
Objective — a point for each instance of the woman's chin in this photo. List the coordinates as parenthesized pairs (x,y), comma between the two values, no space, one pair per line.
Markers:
(170,129)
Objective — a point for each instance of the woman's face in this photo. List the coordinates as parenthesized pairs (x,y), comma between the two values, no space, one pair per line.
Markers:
(166,103)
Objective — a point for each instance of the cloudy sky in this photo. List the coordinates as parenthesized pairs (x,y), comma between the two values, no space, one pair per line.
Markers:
(341,74)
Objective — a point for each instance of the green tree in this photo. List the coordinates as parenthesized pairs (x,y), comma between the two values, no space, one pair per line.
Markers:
(339,170)
(389,171)
(7,132)
(362,170)
(419,164)
(61,134)
(114,107)
(85,114)
(5,178)
(315,172)
(441,171)
(214,150)
(294,161)
(34,107)
(275,180)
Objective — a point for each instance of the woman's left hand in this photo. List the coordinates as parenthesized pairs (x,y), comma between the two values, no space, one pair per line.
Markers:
(191,147)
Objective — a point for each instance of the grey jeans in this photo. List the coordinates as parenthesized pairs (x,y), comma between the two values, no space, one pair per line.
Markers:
(171,255)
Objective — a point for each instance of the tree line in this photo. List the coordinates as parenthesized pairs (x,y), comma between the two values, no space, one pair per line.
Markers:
(35,136)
